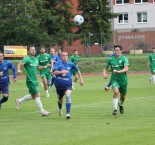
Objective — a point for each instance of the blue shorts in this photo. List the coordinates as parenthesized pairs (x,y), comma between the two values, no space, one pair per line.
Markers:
(4,90)
(61,91)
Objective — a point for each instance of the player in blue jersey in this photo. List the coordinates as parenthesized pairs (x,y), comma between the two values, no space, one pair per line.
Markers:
(4,77)
(54,59)
(63,81)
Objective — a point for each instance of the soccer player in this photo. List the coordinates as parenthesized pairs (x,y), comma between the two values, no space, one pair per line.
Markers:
(119,66)
(30,63)
(75,59)
(151,65)
(59,54)
(4,77)
(63,81)
(44,59)
(54,59)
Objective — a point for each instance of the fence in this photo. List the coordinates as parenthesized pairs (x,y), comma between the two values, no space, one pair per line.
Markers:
(96,44)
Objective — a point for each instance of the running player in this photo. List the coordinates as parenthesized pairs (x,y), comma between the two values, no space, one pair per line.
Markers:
(151,65)
(30,62)
(119,66)
(75,59)
(4,77)
(63,81)
(44,59)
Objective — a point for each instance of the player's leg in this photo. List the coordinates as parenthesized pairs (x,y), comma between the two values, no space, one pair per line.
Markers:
(44,80)
(115,87)
(5,95)
(123,91)
(43,112)
(74,72)
(68,103)
(60,94)
(107,87)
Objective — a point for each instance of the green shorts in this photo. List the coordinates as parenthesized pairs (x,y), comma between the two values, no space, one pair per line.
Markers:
(46,75)
(74,72)
(121,86)
(33,88)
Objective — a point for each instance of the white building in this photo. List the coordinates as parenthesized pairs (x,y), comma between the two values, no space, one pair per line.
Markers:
(133,14)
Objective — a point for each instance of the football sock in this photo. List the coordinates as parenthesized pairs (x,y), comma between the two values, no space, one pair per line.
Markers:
(109,84)
(68,108)
(68,103)
(115,103)
(121,102)
(59,105)
(153,79)
(4,99)
(25,98)
(39,104)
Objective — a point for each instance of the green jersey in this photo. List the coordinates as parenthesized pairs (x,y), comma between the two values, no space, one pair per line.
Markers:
(118,64)
(74,59)
(151,58)
(31,64)
(43,60)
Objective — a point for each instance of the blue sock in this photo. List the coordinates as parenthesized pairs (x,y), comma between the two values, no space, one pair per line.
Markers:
(109,84)
(68,107)
(60,105)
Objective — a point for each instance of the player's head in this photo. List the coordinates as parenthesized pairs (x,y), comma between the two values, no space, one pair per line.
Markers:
(75,52)
(42,49)
(1,56)
(64,56)
(59,51)
(153,49)
(31,51)
(52,51)
(118,50)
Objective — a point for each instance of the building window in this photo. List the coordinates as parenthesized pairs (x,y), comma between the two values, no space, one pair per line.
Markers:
(142,17)
(141,1)
(122,1)
(123,18)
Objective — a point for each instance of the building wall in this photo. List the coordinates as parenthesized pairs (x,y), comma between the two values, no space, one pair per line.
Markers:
(132,10)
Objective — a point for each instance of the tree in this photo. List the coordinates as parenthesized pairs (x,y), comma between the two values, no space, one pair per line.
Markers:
(20,22)
(61,24)
(98,16)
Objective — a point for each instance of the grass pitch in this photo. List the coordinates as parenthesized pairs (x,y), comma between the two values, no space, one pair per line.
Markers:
(92,122)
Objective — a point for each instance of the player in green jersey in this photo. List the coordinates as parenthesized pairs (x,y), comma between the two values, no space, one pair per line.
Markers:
(30,62)
(44,59)
(75,59)
(119,66)
(151,65)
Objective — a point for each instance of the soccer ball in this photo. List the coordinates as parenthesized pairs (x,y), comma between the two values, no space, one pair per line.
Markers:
(78,19)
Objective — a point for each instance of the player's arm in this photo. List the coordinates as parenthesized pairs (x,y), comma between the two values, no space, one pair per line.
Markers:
(125,69)
(81,78)
(13,68)
(43,67)
(20,64)
(104,72)
(62,72)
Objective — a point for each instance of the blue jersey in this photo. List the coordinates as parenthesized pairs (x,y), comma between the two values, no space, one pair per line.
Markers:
(4,67)
(54,57)
(59,57)
(63,80)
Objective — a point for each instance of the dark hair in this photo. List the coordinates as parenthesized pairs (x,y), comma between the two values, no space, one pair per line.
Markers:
(28,48)
(153,48)
(42,46)
(121,48)
(1,51)
(75,50)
